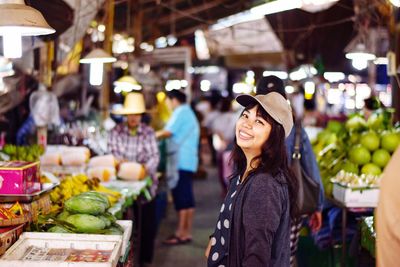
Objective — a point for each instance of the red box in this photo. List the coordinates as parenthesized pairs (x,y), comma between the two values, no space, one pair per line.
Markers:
(19,177)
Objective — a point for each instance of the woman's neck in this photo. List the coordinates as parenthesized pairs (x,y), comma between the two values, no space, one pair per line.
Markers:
(250,164)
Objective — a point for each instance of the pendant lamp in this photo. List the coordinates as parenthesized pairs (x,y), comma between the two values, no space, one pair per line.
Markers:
(17,20)
(360,56)
(96,58)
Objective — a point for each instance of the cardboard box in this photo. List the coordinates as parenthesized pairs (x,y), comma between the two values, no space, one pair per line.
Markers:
(19,177)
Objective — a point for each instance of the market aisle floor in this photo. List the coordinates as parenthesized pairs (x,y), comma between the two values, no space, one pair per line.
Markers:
(208,200)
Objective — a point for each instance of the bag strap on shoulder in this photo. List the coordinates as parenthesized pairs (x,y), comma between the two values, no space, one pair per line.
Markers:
(297,140)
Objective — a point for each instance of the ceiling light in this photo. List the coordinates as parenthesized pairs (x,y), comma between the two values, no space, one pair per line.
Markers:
(360,56)
(96,59)
(289,89)
(280,74)
(334,76)
(17,20)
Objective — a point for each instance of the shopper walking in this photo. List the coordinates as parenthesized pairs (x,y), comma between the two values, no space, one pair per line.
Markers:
(184,133)
(308,162)
(253,227)
(134,141)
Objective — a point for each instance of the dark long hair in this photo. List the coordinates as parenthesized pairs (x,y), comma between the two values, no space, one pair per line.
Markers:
(273,157)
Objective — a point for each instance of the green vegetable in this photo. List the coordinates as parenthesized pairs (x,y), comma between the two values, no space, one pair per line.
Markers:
(97,196)
(105,220)
(63,215)
(85,223)
(113,231)
(58,229)
(85,205)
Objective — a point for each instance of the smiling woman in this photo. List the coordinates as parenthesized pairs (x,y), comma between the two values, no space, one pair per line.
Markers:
(253,227)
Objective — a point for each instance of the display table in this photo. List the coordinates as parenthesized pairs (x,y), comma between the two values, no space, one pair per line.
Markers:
(345,210)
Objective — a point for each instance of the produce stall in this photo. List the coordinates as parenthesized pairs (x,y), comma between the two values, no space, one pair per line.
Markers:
(351,157)
(64,208)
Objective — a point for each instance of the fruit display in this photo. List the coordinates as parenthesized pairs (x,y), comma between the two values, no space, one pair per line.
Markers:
(74,185)
(23,153)
(353,180)
(83,213)
(359,147)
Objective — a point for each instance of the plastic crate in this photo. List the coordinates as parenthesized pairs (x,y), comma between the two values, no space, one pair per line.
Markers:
(64,244)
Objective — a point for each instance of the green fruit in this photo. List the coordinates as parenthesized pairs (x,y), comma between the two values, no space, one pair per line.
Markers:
(85,223)
(370,140)
(355,123)
(85,205)
(375,121)
(349,166)
(381,157)
(354,138)
(390,141)
(334,126)
(359,155)
(371,168)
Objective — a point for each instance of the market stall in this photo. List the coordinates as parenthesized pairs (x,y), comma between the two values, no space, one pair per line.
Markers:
(61,198)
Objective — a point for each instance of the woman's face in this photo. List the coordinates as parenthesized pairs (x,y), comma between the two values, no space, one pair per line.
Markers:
(252,131)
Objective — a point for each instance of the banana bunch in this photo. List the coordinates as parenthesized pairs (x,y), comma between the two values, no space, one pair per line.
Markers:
(113,196)
(77,184)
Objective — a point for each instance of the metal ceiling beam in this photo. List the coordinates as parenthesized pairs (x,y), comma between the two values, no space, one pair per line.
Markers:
(186,13)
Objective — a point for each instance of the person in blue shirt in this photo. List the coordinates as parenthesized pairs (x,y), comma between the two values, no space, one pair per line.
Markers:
(308,162)
(183,132)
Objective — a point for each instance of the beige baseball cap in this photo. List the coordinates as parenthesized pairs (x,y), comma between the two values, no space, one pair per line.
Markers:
(275,105)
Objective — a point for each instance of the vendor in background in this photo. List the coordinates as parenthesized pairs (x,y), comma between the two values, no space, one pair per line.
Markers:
(134,141)
(183,132)
(308,162)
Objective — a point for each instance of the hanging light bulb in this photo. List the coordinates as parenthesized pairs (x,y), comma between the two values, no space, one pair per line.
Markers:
(96,59)
(360,57)
(17,20)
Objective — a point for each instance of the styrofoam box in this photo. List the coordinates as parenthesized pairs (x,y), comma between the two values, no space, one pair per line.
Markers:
(125,224)
(53,240)
(365,198)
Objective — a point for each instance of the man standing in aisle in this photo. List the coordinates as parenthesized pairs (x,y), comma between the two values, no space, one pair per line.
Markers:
(184,133)
(134,141)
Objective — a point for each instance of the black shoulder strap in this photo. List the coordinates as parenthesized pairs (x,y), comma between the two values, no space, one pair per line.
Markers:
(297,139)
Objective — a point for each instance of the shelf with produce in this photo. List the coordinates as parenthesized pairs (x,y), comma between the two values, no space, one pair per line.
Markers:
(358,146)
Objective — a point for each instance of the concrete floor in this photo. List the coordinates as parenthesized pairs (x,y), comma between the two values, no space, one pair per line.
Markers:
(208,200)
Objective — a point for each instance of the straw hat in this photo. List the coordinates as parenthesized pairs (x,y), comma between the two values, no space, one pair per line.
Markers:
(133,104)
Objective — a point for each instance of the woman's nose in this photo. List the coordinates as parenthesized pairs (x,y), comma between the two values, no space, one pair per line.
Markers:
(247,124)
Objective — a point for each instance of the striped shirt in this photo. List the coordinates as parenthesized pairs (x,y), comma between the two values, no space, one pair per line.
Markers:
(141,148)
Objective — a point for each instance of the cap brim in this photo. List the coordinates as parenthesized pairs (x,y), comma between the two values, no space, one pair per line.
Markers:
(245,100)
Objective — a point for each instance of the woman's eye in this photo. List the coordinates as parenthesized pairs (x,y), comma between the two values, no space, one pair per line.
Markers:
(245,115)
(260,122)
